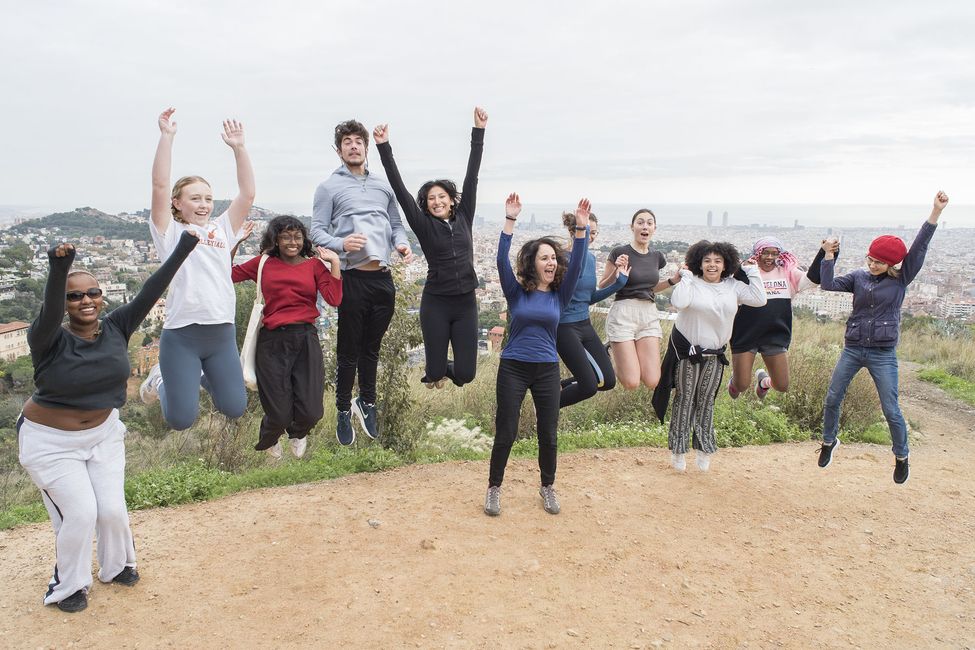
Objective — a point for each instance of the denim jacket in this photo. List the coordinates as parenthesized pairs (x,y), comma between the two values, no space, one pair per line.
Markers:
(877,299)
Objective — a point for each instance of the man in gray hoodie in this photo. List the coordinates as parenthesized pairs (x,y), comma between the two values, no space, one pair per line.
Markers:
(355,215)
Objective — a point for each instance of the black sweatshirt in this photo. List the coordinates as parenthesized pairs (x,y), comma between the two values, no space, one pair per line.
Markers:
(76,373)
(447,244)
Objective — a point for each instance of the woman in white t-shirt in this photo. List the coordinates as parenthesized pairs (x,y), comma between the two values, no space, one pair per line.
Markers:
(198,342)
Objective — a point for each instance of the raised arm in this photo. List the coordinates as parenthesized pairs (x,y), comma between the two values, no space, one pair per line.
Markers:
(509,283)
(610,269)
(330,278)
(468,196)
(919,248)
(43,331)
(248,230)
(414,216)
(826,280)
(130,315)
(622,272)
(680,297)
(233,135)
(161,212)
(580,246)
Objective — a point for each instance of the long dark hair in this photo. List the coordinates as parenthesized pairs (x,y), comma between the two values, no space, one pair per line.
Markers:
(449,187)
(525,263)
(280,224)
(697,252)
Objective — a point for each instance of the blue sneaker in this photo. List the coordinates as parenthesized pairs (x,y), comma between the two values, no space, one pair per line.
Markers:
(366,415)
(343,430)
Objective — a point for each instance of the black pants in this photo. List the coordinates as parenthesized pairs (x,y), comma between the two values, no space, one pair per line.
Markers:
(290,381)
(573,340)
(514,379)
(368,300)
(453,320)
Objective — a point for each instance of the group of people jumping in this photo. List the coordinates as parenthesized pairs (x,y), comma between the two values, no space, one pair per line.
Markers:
(71,439)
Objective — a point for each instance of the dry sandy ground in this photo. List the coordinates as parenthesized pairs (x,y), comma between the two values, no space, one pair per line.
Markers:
(766,550)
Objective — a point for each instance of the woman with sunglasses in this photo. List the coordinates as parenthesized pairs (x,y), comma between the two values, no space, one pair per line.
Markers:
(767,330)
(69,434)
(872,330)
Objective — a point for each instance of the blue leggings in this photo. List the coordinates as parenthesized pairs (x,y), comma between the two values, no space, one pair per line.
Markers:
(183,353)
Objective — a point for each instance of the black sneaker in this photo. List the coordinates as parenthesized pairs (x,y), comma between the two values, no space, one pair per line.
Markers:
(826,453)
(75,602)
(902,471)
(366,415)
(128,577)
(343,428)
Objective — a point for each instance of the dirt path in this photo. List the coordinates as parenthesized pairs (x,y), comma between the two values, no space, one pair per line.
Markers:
(766,550)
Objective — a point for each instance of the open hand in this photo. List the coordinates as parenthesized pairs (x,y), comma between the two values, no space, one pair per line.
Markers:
(327,255)
(381,133)
(167,125)
(582,213)
(480,117)
(233,133)
(246,230)
(512,206)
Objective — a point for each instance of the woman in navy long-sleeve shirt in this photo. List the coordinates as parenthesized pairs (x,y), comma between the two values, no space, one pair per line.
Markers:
(872,330)
(530,360)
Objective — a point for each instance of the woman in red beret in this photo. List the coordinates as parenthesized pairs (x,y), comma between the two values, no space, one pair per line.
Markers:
(872,330)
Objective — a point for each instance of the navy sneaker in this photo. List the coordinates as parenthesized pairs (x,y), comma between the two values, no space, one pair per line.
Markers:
(902,470)
(128,577)
(343,430)
(75,602)
(826,453)
(366,415)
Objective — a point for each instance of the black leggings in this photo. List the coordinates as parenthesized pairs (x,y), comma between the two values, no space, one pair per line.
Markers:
(515,378)
(453,320)
(573,341)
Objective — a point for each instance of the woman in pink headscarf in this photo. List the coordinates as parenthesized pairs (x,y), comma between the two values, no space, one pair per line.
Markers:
(767,330)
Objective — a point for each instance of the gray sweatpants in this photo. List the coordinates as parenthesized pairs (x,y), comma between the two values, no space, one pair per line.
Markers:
(81,475)
(693,410)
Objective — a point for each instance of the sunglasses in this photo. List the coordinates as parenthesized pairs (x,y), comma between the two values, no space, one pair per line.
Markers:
(78,296)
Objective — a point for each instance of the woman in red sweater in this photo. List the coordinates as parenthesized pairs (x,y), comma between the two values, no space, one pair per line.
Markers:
(290,372)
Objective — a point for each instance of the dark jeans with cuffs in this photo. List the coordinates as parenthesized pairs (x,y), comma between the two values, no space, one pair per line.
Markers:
(515,378)
(368,301)
(449,320)
(290,381)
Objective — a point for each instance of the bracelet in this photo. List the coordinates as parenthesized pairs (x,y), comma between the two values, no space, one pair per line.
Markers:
(510,218)
(671,282)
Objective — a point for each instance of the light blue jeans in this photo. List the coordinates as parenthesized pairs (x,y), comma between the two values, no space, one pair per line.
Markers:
(882,365)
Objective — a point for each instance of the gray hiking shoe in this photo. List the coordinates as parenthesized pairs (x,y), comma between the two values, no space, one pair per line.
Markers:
(492,501)
(549,500)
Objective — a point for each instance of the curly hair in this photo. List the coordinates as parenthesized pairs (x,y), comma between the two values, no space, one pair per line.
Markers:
(569,221)
(350,127)
(448,186)
(525,263)
(643,211)
(282,224)
(697,252)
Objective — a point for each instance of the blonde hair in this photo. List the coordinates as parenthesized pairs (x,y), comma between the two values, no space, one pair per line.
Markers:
(178,189)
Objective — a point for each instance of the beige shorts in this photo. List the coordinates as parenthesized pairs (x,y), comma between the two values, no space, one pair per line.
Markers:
(632,320)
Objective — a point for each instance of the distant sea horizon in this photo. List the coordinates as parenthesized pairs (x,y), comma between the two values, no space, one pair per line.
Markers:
(740,215)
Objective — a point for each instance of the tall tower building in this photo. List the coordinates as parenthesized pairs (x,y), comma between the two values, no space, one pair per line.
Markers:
(724,220)
(710,218)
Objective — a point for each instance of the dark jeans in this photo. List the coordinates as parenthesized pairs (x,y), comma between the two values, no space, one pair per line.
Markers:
(573,341)
(290,381)
(515,378)
(453,320)
(368,300)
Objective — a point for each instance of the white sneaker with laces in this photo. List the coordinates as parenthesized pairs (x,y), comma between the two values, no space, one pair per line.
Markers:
(298,446)
(677,460)
(275,452)
(149,390)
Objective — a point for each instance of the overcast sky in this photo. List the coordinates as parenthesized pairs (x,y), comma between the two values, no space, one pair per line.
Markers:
(746,101)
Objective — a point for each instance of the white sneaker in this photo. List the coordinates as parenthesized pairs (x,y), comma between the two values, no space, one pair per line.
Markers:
(149,390)
(677,460)
(298,446)
(703,461)
(275,452)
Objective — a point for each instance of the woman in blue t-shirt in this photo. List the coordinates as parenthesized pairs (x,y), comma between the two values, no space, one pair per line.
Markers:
(536,298)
